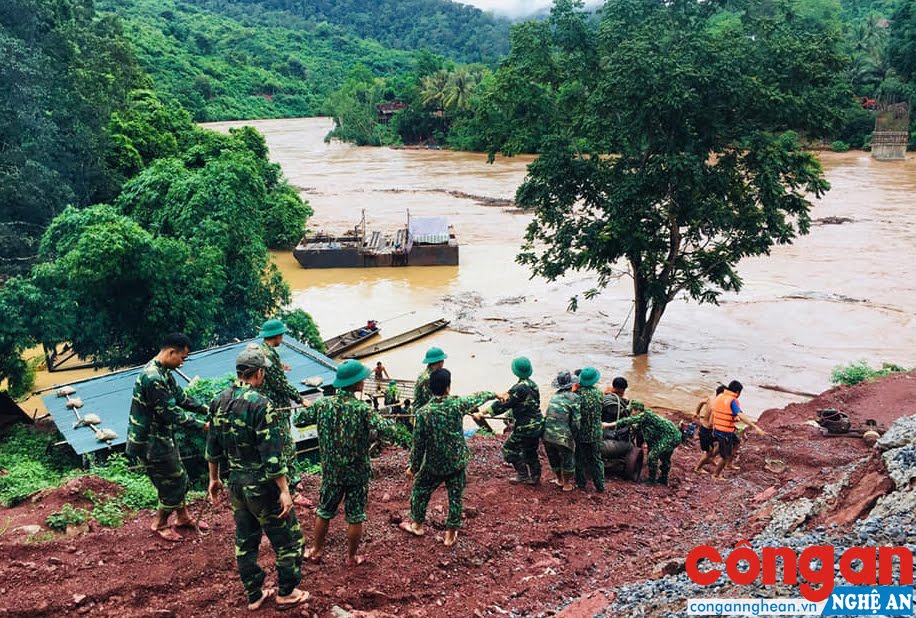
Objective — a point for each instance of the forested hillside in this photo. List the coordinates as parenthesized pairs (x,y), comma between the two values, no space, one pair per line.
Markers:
(259,66)
(453,30)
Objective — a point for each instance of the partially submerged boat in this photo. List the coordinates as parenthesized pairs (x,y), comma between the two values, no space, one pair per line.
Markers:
(335,346)
(398,340)
(424,241)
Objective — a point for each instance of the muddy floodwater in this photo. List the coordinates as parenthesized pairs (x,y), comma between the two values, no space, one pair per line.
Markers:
(844,292)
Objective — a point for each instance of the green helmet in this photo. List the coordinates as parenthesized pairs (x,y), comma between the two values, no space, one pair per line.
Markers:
(589,376)
(434,355)
(521,367)
(272,328)
(349,373)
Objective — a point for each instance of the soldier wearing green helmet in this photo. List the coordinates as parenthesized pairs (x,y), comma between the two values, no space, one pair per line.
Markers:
(524,401)
(343,423)
(434,359)
(588,431)
(281,393)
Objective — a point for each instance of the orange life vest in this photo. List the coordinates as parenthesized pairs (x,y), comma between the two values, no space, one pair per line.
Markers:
(723,419)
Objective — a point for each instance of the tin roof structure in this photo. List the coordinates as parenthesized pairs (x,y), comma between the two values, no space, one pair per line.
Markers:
(109,396)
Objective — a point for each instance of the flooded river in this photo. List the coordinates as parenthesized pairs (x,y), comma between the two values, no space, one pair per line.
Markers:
(842,293)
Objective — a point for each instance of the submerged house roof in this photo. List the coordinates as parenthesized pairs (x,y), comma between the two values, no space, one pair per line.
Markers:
(109,396)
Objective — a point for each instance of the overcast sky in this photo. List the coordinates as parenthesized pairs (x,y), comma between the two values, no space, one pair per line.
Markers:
(514,8)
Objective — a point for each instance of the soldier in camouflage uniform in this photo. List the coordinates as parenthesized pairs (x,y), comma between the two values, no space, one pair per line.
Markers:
(588,432)
(521,447)
(558,438)
(661,435)
(343,423)
(246,439)
(281,394)
(434,359)
(440,453)
(158,405)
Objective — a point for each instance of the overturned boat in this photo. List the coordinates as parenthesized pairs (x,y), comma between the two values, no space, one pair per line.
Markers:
(424,241)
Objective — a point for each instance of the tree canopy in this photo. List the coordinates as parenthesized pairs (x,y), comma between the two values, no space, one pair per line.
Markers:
(666,145)
(63,72)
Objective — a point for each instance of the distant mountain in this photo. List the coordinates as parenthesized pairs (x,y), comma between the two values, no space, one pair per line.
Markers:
(456,31)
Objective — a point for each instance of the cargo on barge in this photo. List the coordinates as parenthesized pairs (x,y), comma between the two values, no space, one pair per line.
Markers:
(424,241)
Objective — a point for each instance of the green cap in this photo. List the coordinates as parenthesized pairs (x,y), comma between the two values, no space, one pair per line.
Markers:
(434,355)
(350,372)
(252,357)
(589,376)
(393,383)
(272,328)
(521,367)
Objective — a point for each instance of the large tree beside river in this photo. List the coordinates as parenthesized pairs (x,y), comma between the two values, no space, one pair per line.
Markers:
(666,139)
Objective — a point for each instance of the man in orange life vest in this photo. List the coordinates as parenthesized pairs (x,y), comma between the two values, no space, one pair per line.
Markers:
(726,412)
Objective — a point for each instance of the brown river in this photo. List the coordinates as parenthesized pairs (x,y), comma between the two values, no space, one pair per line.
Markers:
(843,293)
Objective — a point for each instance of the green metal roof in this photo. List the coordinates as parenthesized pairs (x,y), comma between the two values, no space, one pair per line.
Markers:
(109,396)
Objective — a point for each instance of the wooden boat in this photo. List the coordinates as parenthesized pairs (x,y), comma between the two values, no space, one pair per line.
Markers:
(335,346)
(399,340)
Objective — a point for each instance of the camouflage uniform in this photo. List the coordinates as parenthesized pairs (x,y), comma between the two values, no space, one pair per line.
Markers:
(421,392)
(245,436)
(440,454)
(280,392)
(521,447)
(589,437)
(558,437)
(343,441)
(159,404)
(662,436)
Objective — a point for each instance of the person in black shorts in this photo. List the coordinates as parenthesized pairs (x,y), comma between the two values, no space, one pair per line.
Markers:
(708,443)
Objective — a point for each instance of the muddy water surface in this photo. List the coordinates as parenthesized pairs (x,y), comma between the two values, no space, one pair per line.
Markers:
(842,293)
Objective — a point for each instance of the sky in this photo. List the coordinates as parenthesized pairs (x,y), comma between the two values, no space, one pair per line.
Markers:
(514,8)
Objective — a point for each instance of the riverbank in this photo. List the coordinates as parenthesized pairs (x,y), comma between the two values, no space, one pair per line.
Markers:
(522,551)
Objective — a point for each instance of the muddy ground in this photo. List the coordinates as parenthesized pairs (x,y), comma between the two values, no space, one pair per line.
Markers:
(523,551)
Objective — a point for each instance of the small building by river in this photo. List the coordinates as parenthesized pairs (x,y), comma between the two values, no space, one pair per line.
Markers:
(423,241)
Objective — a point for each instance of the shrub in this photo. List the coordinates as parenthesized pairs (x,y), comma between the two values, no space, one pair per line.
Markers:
(67,516)
(839,146)
(858,372)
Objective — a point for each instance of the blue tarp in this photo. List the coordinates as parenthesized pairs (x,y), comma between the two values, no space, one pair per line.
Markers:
(109,396)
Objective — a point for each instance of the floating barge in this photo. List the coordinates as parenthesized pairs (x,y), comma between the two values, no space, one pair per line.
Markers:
(424,241)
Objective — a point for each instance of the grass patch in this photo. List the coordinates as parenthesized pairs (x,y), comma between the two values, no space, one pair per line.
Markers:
(858,372)
(31,463)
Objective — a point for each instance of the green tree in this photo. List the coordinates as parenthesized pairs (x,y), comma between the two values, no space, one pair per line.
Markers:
(667,152)
(901,49)
(355,110)
(16,296)
(300,325)
(112,289)
(64,71)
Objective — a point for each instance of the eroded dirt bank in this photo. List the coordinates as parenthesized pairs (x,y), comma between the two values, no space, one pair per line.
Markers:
(523,551)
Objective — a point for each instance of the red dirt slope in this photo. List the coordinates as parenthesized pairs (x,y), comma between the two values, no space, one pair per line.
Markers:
(526,551)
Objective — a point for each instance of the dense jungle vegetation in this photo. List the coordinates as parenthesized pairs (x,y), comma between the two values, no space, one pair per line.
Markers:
(457,105)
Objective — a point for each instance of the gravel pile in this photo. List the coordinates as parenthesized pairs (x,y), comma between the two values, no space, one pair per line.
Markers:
(891,522)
